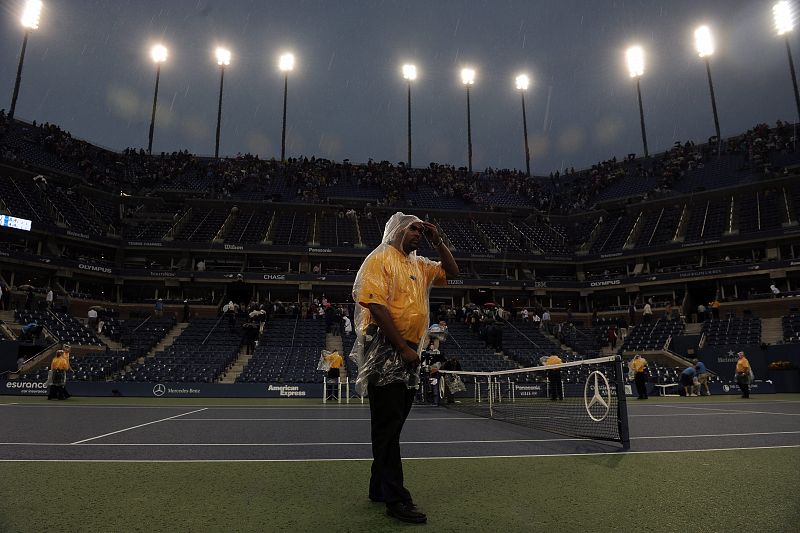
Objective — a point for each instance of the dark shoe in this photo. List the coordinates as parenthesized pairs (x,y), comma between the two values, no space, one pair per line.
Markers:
(405,513)
(376,499)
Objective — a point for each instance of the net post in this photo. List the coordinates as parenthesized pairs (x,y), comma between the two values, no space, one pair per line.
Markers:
(339,389)
(324,389)
(491,413)
(347,389)
(622,404)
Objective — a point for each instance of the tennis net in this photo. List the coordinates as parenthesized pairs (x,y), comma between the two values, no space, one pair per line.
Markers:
(583,399)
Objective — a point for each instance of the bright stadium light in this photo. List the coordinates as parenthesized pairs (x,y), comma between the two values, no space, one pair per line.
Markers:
(468,79)
(158,53)
(223,60)
(30,15)
(409,74)
(223,56)
(784,24)
(784,17)
(704,44)
(29,21)
(522,83)
(468,76)
(286,62)
(703,41)
(635,59)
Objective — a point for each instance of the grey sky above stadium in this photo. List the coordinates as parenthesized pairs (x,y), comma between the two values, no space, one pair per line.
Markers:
(87,69)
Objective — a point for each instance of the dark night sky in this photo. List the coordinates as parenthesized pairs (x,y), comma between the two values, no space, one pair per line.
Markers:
(87,69)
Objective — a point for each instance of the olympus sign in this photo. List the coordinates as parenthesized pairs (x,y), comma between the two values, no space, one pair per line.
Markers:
(605,283)
(94,268)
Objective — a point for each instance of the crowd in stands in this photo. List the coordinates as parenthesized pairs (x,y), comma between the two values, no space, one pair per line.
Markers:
(313,180)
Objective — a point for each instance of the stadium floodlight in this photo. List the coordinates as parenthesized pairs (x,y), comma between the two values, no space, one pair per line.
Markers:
(286,65)
(784,24)
(158,53)
(468,79)
(704,44)
(522,83)
(30,21)
(634,57)
(784,17)
(223,60)
(223,56)
(31,14)
(468,76)
(409,74)
(703,41)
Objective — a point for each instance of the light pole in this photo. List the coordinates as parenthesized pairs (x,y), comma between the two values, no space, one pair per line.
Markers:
(468,79)
(29,21)
(704,44)
(223,60)
(635,58)
(409,74)
(286,64)
(522,86)
(784,23)
(159,54)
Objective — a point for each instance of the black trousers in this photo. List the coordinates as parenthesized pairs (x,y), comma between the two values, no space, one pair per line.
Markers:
(745,388)
(556,390)
(641,384)
(389,406)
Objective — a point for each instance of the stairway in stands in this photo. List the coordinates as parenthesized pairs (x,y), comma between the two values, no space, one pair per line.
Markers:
(167,341)
(771,330)
(236,368)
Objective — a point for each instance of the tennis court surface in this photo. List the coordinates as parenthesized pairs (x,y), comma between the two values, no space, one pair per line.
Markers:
(105,431)
(455,460)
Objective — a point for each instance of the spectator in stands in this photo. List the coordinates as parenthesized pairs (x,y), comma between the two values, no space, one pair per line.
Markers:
(391,321)
(687,380)
(775,290)
(546,320)
(668,311)
(612,336)
(744,375)
(437,333)
(537,320)
(647,313)
(554,378)
(30,332)
(29,299)
(186,311)
(92,317)
(701,313)
(638,366)
(348,326)
(714,305)
(49,298)
(159,308)
(632,313)
(702,378)
(525,315)
(201,266)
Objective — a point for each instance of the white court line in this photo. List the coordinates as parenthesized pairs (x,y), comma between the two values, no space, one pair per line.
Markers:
(304,444)
(409,419)
(434,458)
(735,411)
(134,427)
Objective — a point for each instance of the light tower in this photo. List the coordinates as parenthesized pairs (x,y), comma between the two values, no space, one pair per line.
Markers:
(635,59)
(522,85)
(409,74)
(158,53)
(468,79)
(286,65)
(223,60)
(29,21)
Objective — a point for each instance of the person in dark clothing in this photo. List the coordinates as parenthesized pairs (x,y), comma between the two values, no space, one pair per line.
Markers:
(451,364)
(186,310)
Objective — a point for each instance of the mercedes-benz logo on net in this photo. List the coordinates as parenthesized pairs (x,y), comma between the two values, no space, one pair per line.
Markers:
(599,413)
(159,390)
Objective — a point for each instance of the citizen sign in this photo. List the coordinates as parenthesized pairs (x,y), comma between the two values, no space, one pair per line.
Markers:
(94,268)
